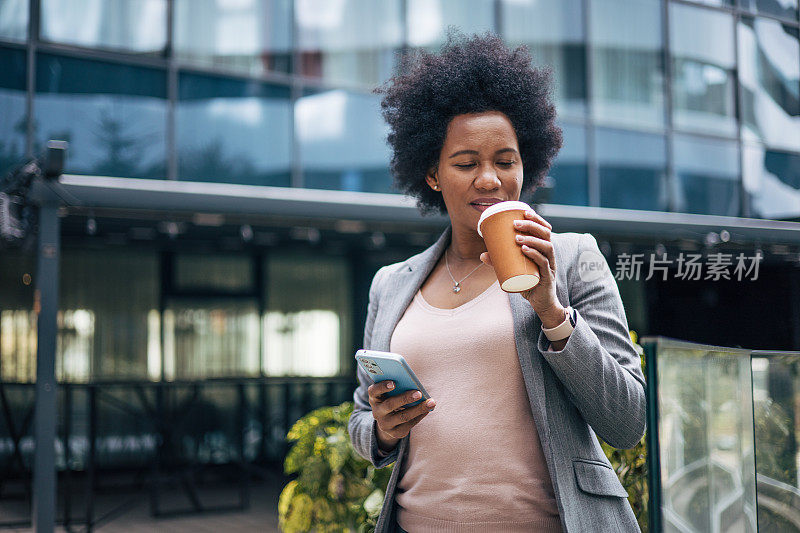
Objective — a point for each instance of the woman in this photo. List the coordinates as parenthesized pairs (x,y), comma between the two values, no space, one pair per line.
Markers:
(523,381)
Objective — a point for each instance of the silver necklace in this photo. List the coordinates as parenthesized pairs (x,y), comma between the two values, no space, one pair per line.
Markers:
(457,284)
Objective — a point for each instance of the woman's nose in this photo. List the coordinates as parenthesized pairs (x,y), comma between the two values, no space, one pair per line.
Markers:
(487,179)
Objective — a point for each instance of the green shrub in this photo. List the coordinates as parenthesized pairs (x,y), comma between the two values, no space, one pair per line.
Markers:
(335,490)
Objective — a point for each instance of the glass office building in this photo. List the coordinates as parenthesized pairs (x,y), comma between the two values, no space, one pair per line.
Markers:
(666,107)
(227,197)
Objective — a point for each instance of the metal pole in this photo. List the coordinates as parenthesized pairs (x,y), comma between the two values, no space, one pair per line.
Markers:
(44,473)
(653,450)
(92,457)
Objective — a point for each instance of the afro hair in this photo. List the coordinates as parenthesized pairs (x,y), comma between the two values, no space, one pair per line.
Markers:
(470,75)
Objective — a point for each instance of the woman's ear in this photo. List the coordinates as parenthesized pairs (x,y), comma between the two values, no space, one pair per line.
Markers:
(432,179)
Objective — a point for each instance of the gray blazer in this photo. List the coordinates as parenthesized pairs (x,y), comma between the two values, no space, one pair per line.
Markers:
(595,384)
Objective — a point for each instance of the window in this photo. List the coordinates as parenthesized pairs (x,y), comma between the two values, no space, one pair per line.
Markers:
(428,19)
(211,316)
(707,172)
(772,182)
(720,3)
(769,77)
(553,31)
(13,125)
(338,46)
(627,70)
(14,20)
(205,272)
(106,304)
(703,60)
(308,324)
(114,116)
(631,168)
(17,317)
(786,9)
(253,36)
(233,131)
(569,171)
(137,26)
(210,338)
(342,141)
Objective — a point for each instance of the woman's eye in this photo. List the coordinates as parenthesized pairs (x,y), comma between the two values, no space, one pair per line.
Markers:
(465,165)
(505,163)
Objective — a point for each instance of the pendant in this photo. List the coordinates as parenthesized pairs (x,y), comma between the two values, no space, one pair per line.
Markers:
(456,287)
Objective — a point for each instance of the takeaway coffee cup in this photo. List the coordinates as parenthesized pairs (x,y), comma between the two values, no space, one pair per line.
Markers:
(515,271)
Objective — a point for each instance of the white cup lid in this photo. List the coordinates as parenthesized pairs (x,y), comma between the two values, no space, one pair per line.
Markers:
(498,207)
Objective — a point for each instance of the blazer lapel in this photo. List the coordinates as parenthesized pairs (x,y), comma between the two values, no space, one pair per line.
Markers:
(400,287)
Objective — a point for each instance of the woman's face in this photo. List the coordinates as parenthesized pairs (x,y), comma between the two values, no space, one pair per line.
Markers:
(479,164)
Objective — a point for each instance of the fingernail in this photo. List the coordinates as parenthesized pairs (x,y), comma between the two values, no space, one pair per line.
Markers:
(519,238)
(417,395)
(390,385)
(517,224)
(430,403)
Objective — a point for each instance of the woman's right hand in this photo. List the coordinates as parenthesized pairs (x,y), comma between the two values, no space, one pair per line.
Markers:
(393,421)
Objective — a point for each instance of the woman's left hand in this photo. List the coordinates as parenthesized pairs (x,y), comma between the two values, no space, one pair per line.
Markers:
(534,238)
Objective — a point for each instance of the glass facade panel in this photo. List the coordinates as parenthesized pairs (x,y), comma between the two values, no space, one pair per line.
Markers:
(769,78)
(631,169)
(707,172)
(569,171)
(786,9)
(114,116)
(428,19)
(553,31)
(718,3)
(210,338)
(233,131)
(627,84)
(248,35)
(17,317)
(108,318)
(776,402)
(13,123)
(138,26)
(14,19)
(308,324)
(336,45)
(342,139)
(703,61)
(771,182)
(195,272)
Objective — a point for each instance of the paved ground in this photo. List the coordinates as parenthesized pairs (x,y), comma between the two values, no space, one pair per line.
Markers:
(262,515)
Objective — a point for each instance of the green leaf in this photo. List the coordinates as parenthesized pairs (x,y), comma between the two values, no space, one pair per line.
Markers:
(283,501)
(299,516)
(374,503)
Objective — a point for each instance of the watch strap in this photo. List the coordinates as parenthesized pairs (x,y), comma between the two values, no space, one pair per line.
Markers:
(563,330)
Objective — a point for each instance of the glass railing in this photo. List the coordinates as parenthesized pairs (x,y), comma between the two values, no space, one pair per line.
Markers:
(776,405)
(724,427)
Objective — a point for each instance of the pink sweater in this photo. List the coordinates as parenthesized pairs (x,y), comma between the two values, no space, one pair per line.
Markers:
(475,463)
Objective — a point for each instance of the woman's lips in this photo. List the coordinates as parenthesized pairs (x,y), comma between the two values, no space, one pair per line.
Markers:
(481,208)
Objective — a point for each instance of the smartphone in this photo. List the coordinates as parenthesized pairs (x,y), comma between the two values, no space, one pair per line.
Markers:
(381,366)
